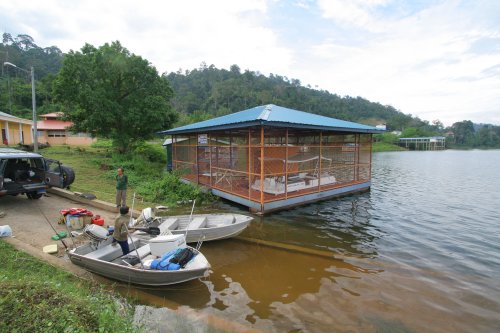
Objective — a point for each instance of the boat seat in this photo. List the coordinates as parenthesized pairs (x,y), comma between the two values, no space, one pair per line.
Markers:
(106,253)
(198,222)
(168,224)
(109,252)
(143,251)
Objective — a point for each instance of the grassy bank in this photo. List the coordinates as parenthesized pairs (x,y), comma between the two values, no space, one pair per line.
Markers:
(95,169)
(384,146)
(36,297)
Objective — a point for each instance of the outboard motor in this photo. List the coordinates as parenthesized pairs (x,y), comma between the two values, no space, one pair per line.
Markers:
(96,234)
(147,216)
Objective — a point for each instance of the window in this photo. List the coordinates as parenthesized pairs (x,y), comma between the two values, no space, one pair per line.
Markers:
(56,134)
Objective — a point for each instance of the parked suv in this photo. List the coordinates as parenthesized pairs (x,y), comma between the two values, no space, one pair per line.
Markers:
(28,173)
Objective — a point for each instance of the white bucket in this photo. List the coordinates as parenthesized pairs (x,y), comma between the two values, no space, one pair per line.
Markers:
(5,231)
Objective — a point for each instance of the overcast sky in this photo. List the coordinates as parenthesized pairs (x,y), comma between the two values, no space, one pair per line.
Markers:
(432,59)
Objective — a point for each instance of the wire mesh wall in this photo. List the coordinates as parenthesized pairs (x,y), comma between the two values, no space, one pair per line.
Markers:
(265,164)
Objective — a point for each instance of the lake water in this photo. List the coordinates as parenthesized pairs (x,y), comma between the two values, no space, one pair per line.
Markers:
(420,252)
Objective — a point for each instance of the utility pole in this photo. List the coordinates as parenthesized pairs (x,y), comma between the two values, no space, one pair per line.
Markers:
(33,100)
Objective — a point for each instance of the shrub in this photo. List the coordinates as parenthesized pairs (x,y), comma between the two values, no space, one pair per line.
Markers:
(151,152)
(170,189)
(102,143)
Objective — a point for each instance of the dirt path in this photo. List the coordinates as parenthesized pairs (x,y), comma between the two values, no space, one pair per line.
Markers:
(28,218)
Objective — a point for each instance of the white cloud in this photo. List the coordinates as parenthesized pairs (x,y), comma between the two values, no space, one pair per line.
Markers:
(417,64)
(169,34)
(437,61)
(353,12)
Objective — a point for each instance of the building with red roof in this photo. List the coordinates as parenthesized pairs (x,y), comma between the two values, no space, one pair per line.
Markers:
(55,131)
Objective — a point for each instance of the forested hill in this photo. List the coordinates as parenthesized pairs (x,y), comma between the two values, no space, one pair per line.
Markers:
(24,53)
(207,92)
(199,94)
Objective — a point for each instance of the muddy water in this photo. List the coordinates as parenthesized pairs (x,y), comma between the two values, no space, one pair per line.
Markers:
(420,252)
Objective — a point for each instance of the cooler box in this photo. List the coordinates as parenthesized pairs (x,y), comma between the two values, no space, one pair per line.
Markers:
(77,222)
(163,244)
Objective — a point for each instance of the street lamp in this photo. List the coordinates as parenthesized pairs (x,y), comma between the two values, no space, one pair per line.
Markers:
(35,130)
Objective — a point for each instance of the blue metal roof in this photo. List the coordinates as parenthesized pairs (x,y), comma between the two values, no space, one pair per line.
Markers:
(273,115)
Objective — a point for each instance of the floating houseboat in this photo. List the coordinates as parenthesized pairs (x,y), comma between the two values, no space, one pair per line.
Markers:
(269,157)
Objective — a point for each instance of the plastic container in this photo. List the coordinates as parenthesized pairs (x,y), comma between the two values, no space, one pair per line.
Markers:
(74,222)
(97,220)
(163,244)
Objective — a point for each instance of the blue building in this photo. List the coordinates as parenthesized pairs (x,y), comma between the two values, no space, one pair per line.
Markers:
(270,157)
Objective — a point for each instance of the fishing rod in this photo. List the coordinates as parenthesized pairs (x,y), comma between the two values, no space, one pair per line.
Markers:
(128,233)
(131,220)
(46,219)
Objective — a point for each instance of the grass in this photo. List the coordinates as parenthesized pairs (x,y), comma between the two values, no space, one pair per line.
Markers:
(37,297)
(384,146)
(95,169)
(90,166)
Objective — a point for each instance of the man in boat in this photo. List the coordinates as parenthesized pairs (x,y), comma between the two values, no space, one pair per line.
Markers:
(120,233)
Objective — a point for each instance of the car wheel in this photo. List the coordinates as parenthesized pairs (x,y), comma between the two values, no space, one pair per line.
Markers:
(34,195)
(68,176)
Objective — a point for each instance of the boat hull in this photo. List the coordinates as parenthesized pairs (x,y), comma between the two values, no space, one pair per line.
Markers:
(211,234)
(140,276)
(217,226)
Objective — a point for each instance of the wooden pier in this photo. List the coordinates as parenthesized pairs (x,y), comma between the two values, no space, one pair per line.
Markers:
(424,143)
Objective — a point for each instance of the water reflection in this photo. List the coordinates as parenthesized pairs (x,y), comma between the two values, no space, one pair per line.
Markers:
(418,253)
(310,254)
(256,284)
(195,293)
(340,226)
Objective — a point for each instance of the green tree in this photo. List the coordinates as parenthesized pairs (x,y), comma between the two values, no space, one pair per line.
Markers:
(463,132)
(487,136)
(15,84)
(414,132)
(111,93)
(386,138)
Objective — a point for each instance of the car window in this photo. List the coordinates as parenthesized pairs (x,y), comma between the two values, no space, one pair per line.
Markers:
(53,166)
(23,163)
(36,163)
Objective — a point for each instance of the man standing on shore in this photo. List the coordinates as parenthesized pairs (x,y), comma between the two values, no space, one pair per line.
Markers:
(121,188)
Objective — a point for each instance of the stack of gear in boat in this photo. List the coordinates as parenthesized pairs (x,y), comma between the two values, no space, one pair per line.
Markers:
(173,260)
